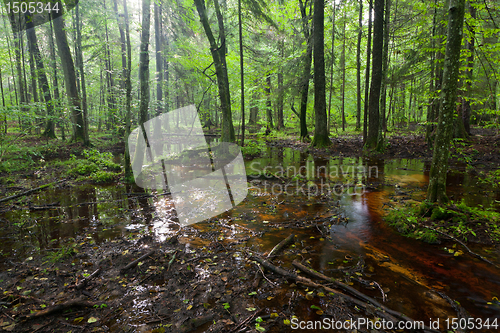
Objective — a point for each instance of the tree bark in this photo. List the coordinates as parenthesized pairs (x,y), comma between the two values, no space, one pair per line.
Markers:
(69,79)
(367,71)
(374,102)
(242,75)
(437,176)
(321,138)
(128,93)
(49,131)
(269,103)
(385,66)
(159,71)
(55,83)
(144,84)
(79,61)
(219,58)
(466,108)
(342,65)
(358,67)
(304,85)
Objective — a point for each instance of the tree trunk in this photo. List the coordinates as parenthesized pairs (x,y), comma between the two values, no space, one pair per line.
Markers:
(342,65)
(42,78)
(219,58)
(466,108)
(55,83)
(358,67)
(159,72)
(331,70)
(304,85)
(281,93)
(69,79)
(437,176)
(20,78)
(321,138)
(242,73)
(385,66)
(269,103)
(144,84)
(128,94)
(374,102)
(367,71)
(109,77)
(79,61)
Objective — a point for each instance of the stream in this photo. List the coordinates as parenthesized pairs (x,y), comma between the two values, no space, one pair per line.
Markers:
(410,272)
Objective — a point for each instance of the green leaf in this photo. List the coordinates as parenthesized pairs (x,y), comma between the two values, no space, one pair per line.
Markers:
(252,293)
(315,307)
(92,320)
(251,309)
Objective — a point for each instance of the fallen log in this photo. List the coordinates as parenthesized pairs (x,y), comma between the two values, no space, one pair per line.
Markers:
(135,262)
(22,194)
(377,308)
(60,307)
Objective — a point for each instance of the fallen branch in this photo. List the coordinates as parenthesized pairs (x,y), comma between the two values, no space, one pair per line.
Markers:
(284,243)
(22,194)
(194,323)
(379,309)
(465,246)
(135,262)
(60,307)
(87,279)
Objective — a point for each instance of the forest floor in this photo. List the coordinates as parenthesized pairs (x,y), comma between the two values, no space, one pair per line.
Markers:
(482,149)
(223,286)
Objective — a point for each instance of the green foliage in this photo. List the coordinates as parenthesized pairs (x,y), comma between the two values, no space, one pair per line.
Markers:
(62,253)
(458,220)
(96,166)
(253,148)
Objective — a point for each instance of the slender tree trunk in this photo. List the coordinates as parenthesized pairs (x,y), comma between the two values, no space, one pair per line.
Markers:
(358,66)
(159,71)
(374,102)
(3,101)
(21,82)
(144,84)
(321,138)
(281,93)
(242,72)
(79,61)
(269,103)
(331,70)
(439,167)
(385,66)
(55,83)
(304,85)
(70,79)
(128,93)
(466,108)
(109,77)
(42,78)
(219,58)
(367,72)
(342,65)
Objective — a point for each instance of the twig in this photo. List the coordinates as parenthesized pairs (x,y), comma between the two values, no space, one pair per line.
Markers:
(135,262)
(265,277)
(246,321)
(381,290)
(87,279)
(465,246)
(30,191)
(381,311)
(281,245)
